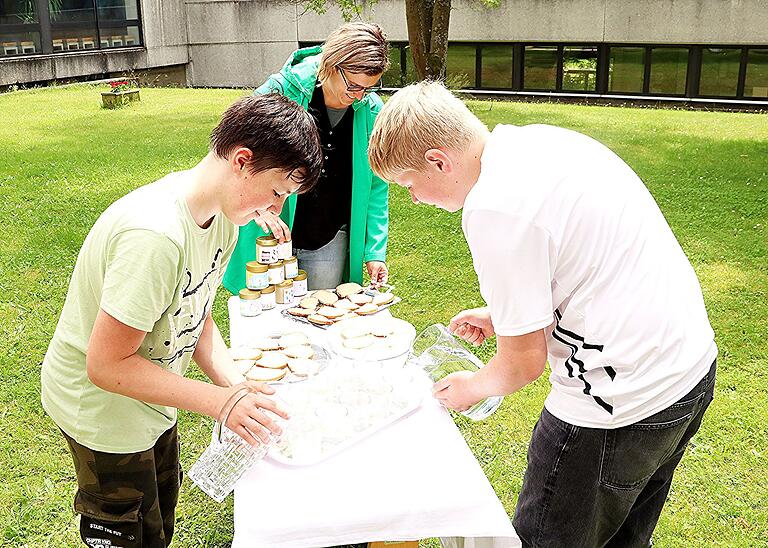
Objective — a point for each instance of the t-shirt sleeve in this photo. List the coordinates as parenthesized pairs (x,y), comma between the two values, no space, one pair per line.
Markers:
(141,276)
(513,260)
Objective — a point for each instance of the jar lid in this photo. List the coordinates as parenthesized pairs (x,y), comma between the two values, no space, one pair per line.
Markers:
(290,259)
(268,289)
(278,264)
(267,241)
(286,284)
(301,276)
(255,266)
(249,294)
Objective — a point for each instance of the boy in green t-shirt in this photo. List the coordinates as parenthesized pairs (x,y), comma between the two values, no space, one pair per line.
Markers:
(138,310)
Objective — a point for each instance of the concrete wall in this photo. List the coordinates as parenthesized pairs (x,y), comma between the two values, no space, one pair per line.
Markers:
(238,44)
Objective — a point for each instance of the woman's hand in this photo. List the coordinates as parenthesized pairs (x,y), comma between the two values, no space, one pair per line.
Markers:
(377,270)
(252,418)
(474,326)
(271,222)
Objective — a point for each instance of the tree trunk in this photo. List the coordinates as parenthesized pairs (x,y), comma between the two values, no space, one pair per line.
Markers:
(428,36)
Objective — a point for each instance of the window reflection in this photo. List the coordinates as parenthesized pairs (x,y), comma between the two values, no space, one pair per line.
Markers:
(580,68)
(756,84)
(719,71)
(626,69)
(497,67)
(460,66)
(669,68)
(540,67)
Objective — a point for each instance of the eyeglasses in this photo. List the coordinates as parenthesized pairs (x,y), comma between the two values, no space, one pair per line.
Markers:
(354,88)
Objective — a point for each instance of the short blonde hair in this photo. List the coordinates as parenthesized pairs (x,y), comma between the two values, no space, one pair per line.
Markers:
(417,118)
(355,47)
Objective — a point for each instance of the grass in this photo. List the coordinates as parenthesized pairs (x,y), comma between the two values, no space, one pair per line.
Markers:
(63,160)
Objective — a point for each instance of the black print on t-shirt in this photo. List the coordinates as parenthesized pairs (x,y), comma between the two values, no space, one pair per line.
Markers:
(559,334)
(194,324)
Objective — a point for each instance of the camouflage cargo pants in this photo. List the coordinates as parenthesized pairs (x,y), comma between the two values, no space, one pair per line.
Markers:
(129,499)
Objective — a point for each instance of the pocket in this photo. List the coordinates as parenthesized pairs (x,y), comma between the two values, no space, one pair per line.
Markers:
(112,522)
(633,453)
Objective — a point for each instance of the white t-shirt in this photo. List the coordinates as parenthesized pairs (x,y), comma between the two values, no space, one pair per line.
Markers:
(565,237)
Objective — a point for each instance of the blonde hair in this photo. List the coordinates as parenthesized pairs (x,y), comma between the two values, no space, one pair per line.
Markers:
(355,47)
(417,118)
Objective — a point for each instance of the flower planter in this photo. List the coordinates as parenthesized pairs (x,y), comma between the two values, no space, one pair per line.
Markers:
(115,99)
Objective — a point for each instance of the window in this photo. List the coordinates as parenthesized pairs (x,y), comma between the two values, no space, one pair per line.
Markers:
(719,71)
(19,28)
(73,25)
(625,69)
(460,66)
(756,84)
(540,67)
(497,66)
(580,68)
(669,68)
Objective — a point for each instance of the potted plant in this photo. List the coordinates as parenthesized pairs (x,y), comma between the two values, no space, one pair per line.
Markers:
(121,93)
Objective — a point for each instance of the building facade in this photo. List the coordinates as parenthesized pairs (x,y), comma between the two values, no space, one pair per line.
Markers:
(674,50)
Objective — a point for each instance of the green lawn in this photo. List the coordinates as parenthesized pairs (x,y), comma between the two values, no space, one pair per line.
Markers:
(63,160)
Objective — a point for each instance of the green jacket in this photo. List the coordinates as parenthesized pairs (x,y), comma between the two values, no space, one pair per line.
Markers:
(369,222)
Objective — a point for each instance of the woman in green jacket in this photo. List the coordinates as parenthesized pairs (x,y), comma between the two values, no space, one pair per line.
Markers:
(343,223)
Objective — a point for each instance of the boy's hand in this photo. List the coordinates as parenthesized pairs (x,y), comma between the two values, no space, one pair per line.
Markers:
(474,326)
(271,222)
(457,391)
(248,418)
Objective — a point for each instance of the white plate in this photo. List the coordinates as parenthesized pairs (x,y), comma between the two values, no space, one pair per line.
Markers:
(392,346)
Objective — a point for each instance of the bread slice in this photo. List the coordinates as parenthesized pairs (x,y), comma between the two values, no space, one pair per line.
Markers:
(245,353)
(319,320)
(345,304)
(310,303)
(347,289)
(273,360)
(302,367)
(300,312)
(265,374)
(383,298)
(361,299)
(299,351)
(325,297)
(243,366)
(292,339)
(355,331)
(367,309)
(331,312)
(266,343)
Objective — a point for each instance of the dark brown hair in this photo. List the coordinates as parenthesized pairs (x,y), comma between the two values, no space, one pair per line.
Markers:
(280,133)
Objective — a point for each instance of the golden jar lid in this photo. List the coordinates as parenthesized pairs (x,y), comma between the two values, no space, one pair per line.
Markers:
(278,264)
(267,241)
(291,259)
(301,276)
(249,294)
(286,284)
(255,266)
(268,289)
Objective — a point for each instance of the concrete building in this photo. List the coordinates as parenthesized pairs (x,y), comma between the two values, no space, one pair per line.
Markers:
(712,50)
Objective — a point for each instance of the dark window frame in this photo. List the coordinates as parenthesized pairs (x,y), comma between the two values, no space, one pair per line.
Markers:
(45,27)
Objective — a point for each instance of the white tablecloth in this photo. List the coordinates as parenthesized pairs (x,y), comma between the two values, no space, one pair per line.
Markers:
(414,479)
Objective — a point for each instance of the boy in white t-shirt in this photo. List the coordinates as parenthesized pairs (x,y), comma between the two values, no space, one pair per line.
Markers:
(138,310)
(578,267)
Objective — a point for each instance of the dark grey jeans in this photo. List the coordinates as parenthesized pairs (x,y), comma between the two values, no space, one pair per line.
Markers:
(590,487)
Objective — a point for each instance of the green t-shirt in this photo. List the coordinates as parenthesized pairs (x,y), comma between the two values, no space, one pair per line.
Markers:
(149,265)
